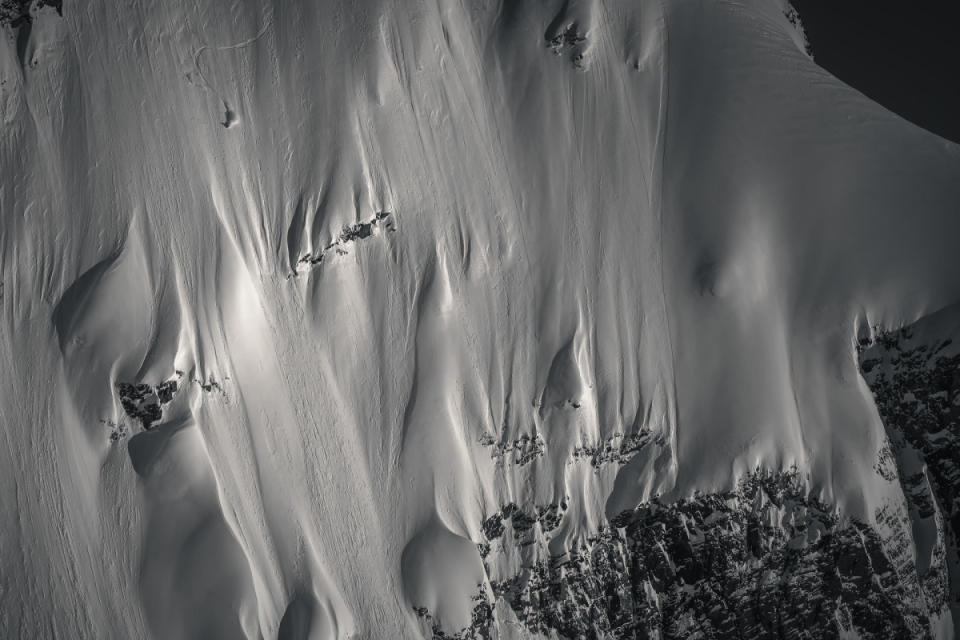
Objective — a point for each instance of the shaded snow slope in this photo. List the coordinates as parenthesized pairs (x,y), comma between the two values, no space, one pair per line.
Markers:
(409,265)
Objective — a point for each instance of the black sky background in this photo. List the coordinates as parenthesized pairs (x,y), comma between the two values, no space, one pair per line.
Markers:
(904,55)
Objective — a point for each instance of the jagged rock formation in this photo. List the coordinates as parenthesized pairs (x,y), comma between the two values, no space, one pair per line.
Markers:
(349,233)
(914,374)
(520,451)
(144,402)
(766,560)
(18,12)
(618,449)
(763,561)
(548,516)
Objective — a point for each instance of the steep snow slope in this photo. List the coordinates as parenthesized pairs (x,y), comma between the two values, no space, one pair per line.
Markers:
(390,274)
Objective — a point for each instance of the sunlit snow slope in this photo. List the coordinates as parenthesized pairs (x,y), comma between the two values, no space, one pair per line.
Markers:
(383,270)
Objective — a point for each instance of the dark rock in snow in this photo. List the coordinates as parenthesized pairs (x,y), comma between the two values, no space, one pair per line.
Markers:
(143,402)
(765,560)
(18,12)
(349,233)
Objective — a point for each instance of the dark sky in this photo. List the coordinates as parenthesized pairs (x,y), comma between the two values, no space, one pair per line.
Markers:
(904,55)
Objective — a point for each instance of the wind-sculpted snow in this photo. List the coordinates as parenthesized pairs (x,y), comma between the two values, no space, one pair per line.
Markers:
(629,248)
(194,579)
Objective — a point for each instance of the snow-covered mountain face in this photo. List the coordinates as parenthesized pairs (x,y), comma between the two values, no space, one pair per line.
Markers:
(468,319)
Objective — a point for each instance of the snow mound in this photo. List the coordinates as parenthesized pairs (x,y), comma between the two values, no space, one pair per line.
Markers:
(442,573)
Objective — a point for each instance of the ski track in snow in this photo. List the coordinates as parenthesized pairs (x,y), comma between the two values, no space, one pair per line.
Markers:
(230,117)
